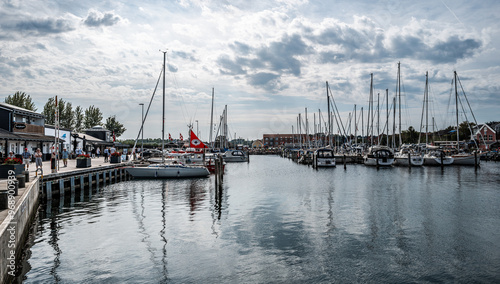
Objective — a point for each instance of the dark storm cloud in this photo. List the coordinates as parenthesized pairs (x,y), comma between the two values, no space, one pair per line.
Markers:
(94,19)
(40,27)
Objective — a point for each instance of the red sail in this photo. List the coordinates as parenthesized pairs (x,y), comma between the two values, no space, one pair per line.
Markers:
(194,142)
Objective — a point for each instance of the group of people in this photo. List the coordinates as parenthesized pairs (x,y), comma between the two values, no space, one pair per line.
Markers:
(28,157)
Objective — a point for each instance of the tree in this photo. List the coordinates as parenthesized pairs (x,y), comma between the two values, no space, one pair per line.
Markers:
(78,118)
(410,135)
(65,109)
(114,126)
(93,117)
(21,99)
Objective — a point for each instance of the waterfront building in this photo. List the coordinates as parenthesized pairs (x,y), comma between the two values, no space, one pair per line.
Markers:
(22,128)
(485,136)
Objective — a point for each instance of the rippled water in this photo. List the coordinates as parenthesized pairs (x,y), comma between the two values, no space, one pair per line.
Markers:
(275,221)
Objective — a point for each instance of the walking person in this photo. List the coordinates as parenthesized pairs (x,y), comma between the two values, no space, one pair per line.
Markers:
(38,159)
(65,157)
(26,159)
(98,152)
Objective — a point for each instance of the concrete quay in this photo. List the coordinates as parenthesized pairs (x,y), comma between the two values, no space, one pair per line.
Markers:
(15,221)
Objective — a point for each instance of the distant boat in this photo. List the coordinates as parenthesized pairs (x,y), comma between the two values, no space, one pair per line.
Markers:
(164,170)
(324,157)
(233,156)
(379,156)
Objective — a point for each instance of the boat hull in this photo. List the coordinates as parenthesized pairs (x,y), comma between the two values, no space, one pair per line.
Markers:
(382,161)
(465,160)
(415,161)
(436,161)
(324,163)
(167,171)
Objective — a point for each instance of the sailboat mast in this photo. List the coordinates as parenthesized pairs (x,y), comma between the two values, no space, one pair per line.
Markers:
(456,108)
(355,126)
(329,115)
(399,97)
(387,114)
(426,99)
(163,111)
(212,120)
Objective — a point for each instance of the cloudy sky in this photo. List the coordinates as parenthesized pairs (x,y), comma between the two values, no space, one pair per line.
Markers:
(267,60)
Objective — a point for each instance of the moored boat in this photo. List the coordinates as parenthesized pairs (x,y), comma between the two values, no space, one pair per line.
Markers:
(324,157)
(379,156)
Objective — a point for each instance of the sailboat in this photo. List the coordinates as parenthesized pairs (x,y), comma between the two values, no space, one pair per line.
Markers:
(433,156)
(462,158)
(407,156)
(377,155)
(164,170)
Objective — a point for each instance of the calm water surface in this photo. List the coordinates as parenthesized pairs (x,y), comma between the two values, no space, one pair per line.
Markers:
(275,221)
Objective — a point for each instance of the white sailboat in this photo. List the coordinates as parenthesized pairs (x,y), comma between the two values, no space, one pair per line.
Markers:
(164,170)
(379,156)
(462,158)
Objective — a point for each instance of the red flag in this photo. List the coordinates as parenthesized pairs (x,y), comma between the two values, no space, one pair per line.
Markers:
(181,136)
(169,137)
(194,142)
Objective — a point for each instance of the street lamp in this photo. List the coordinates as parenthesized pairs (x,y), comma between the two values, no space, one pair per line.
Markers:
(142,131)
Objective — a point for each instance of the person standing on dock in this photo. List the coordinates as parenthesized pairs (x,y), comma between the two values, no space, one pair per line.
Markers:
(38,159)
(65,157)
(26,158)
(106,154)
(98,152)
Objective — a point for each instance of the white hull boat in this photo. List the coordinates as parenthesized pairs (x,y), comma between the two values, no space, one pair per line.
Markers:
(432,159)
(414,161)
(465,159)
(379,156)
(324,158)
(234,156)
(168,171)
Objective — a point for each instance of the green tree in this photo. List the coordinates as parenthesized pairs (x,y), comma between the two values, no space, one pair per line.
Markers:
(21,99)
(114,126)
(464,131)
(93,117)
(78,118)
(410,135)
(66,116)
(65,110)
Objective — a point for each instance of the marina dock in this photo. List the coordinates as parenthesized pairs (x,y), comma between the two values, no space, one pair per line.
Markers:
(16,219)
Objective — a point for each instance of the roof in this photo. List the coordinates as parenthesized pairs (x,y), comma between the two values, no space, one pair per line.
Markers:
(19,136)
(92,139)
(20,110)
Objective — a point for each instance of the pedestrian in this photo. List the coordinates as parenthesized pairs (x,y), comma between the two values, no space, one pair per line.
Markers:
(93,153)
(98,152)
(38,159)
(26,158)
(65,157)
(106,154)
(11,155)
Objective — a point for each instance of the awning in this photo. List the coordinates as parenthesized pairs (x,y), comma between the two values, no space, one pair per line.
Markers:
(19,136)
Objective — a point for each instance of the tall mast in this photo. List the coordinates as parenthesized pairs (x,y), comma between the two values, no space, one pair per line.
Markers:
(387,113)
(456,108)
(426,101)
(163,111)
(399,96)
(212,120)
(329,116)
(355,126)
(394,125)
(370,109)
(378,118)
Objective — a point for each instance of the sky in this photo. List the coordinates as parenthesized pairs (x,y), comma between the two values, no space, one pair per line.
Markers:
(267,60)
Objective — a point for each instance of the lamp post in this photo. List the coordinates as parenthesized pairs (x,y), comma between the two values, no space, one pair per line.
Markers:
(142,127)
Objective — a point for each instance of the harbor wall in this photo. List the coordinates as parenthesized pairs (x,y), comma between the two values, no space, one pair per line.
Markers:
(14,230)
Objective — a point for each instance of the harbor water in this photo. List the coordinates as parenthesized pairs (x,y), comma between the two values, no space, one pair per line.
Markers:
(274,221)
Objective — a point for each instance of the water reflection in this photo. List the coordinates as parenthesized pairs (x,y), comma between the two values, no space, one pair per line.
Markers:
(292,223)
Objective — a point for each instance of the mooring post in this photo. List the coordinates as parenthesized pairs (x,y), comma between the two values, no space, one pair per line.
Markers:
(72,184)
(475,160)
(409,159)
(61,187)
(345,161)
(90,180)
(442,159)
(82,183)
(48,190)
